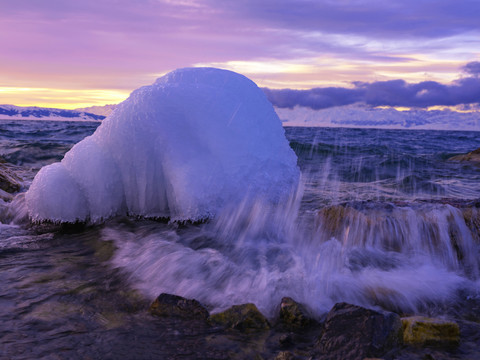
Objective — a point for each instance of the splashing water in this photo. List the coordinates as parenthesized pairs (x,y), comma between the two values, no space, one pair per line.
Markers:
(402,258)
(353,232)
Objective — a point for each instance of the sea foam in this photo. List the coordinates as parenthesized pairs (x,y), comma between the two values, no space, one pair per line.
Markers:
(195,141)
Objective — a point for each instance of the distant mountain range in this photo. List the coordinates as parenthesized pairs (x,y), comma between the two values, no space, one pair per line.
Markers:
(364,116)
(11,112)
(355,115)
(104,110)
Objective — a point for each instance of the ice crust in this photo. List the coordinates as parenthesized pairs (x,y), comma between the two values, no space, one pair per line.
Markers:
(185,147)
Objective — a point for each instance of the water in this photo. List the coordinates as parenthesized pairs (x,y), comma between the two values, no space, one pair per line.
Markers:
(381,219)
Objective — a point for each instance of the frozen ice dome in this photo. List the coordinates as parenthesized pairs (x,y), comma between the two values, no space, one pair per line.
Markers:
(195,141)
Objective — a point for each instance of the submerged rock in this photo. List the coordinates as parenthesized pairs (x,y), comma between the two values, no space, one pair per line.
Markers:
(472,156)
(419,330)
(332,219)
(167,305)
(244,317)
(294,316)
(353,332)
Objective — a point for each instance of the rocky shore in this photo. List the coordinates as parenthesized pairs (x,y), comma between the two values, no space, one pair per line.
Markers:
(347,332)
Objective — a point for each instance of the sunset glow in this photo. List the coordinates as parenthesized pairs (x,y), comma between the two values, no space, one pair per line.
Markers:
(73,54)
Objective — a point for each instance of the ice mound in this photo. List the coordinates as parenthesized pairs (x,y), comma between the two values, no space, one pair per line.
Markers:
(195,141)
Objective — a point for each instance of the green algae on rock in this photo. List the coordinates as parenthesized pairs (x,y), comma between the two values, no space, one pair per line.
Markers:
(419,330)
(294,316)
(245,317)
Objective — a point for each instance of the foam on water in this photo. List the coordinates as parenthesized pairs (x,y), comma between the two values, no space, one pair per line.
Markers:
(195,141)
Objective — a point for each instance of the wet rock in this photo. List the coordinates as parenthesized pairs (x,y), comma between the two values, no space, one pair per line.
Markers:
(9,181)
(352,332)
(294,316)
(284,355)
(167,305)
(473,157)
(5,196)
(286,340)
(419,330)
(471,216)
(244,317)
(333,219)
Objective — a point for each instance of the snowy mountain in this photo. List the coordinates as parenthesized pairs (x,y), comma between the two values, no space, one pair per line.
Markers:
(356,115)
(11,112)
(360,115)
(104,110)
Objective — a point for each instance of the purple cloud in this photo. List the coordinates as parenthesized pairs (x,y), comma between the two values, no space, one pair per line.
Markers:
(317,98)
(377,18)
(382,93)
(472,68)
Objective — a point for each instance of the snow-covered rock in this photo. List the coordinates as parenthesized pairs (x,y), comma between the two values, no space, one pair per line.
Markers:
(195,141)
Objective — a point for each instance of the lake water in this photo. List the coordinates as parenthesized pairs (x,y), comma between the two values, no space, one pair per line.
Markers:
(381,219)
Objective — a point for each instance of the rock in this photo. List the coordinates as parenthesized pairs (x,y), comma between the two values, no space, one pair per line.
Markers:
(9,181)
(286,340)
(284,355)
(167,305)
(419,330)
(244,317)
(294,316)
(473,156)
(333,219)
(471,216)
(352,332)
(5,196)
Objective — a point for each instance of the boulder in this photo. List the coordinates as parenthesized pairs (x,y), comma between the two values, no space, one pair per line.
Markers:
(9,181)
(472,156)
(244,317)
(294,316)
(423,331)
(167,305)
(352,332)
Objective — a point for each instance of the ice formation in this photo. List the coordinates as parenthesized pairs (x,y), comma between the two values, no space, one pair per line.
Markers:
(195,141)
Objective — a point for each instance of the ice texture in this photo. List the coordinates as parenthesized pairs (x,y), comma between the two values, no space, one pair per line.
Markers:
(195,141)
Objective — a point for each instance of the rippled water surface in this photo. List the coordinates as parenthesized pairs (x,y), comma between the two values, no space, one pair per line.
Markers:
(382,219)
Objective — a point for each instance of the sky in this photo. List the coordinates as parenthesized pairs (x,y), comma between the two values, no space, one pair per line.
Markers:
(315,53)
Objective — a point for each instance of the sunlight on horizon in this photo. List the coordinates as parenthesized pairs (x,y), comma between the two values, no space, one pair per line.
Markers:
(60,98)
(301,74)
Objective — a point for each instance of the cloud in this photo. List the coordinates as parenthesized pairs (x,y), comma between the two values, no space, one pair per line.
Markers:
(472,68)
(123,44)
(384,93)
(318,98)
(377,18)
